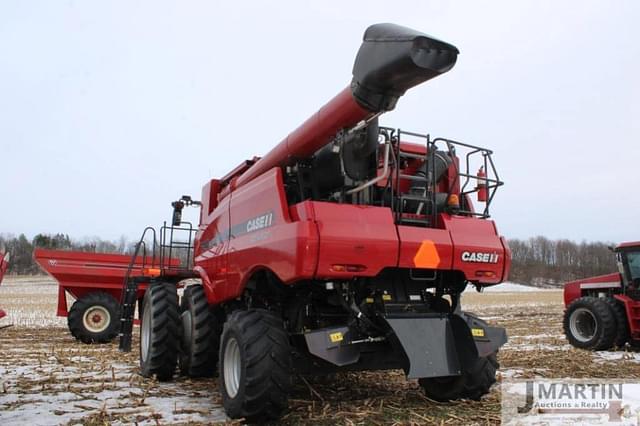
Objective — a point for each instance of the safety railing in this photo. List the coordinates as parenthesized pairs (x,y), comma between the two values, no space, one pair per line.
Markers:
(425,200)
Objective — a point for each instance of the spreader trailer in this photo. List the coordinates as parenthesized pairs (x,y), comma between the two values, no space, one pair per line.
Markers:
(346,247)
(94,281)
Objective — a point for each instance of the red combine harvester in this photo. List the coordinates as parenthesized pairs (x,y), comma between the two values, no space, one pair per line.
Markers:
(346,247)
(604,312)
(94,280)
(4,265)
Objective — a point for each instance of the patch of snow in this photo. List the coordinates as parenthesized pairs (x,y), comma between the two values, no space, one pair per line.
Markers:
(540,336)
(605,356)
(509,287)
(511,372)
(536,347)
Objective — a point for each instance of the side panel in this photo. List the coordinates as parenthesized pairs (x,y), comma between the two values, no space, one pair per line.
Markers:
(477,248)
(507,259)
(578,288)
(363,239)
(90,270)
(427,248)
(212,244)
(263,236)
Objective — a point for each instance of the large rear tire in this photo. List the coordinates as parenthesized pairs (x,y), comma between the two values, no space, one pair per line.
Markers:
(589,323)
(94,318)
(255,365)
(622,325)
(475,381)
(160,331)
(200,334)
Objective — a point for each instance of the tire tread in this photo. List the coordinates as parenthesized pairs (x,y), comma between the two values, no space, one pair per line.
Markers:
(165,336)
(76,313)
(267,366)
(199,357)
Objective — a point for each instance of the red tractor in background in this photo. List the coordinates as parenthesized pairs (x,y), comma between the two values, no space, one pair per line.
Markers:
(4,265)
(346,247)
(604,312)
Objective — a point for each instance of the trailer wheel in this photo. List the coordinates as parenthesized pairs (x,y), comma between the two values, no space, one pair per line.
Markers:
(255,365)
(474,382)
(589,323)
(159,331)
(94,318)
(622,325)
(200,334)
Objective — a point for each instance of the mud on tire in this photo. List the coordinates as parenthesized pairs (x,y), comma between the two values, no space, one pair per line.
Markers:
(159,331)
(94,318)
(200,334)
(589,323)
(255,365)
(475,381)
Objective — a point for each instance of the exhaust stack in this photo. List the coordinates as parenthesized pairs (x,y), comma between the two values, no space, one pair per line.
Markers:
(391,60)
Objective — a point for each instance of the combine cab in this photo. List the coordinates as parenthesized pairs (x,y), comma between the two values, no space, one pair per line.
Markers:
(604,312)
(344,248)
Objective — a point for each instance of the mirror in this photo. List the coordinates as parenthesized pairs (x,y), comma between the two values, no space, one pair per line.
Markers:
(177,212)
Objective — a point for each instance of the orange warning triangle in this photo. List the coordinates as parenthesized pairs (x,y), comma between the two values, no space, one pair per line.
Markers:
(427,256)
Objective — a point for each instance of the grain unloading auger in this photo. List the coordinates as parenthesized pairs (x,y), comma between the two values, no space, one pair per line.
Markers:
(346,247)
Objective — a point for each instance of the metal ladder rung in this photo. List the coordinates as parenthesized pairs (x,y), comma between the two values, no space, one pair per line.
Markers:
(413,178)
(416,198)
(412,155)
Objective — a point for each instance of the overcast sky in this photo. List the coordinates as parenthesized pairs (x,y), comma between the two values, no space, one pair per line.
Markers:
(110,110)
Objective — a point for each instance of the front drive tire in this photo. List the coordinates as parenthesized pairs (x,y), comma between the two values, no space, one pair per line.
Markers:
(475,381)
(200,334)
(589,323)
(622,325)
(255,365)
(94,318)
(159,331)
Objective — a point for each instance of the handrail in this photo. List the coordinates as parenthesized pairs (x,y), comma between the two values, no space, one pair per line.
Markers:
(140,243)
(491,180)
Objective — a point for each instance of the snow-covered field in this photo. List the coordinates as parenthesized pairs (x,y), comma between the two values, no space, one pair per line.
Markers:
(510,288)
(30,302)
(46,377)
(49,378)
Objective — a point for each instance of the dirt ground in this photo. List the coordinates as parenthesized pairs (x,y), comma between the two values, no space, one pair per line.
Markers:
(46,377)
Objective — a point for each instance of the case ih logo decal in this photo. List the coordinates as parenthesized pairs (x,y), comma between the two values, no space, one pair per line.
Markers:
(260,222)
(479,257)
(257,223)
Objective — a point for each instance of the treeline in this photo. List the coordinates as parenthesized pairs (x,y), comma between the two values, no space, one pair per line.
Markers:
(21,249)
(545,262)
(537,261)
